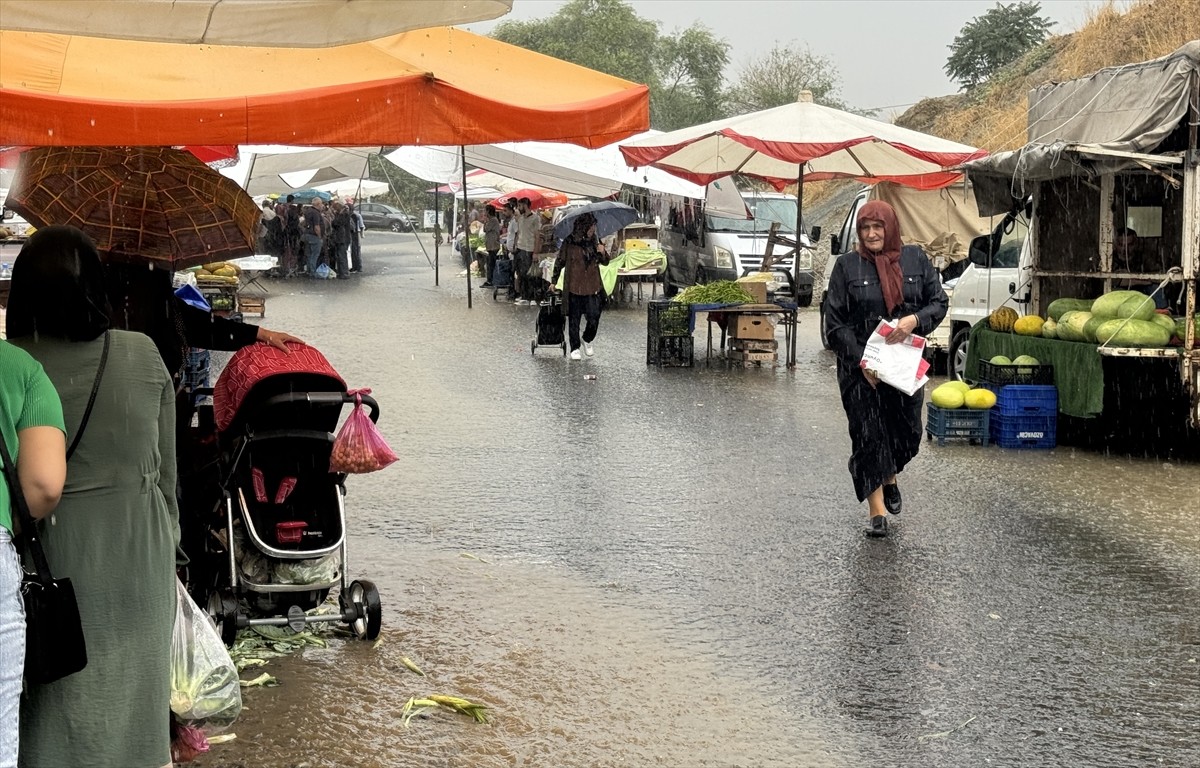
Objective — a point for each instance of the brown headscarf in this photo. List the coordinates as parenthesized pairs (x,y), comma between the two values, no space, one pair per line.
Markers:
(887,261)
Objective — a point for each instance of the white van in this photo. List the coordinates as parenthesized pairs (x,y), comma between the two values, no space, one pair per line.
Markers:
(702,247)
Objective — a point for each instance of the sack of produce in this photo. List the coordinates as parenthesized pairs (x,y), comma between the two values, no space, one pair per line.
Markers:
(359,447)
(204,681)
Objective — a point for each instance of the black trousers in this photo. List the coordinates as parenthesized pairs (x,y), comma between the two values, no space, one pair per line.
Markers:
(583,306)
(491,265)
(355,253)
(885,429)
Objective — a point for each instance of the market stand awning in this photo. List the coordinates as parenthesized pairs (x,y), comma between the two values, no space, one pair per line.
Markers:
(294,23)
(432,86)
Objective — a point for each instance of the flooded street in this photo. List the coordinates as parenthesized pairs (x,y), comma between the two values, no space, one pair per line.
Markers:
(666,567)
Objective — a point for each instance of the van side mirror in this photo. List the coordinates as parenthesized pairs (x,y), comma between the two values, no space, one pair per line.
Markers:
(980,251)
(816,234)
(835,244)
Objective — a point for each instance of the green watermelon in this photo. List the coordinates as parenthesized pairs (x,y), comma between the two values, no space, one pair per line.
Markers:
(1181,327)
(1108,304)
(1060,307)
(1132,333)
(1089,328)
(1071,324)
(1140,307)
(1050,329)
(1164,320)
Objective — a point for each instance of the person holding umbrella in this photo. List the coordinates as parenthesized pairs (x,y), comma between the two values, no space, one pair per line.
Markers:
(581,255)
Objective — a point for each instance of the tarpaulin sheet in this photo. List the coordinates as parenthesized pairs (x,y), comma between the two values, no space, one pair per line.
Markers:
(1078,370)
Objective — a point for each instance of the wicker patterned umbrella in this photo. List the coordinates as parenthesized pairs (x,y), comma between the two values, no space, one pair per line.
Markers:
(155,205)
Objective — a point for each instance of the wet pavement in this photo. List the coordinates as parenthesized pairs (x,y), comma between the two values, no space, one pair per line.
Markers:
(666,567)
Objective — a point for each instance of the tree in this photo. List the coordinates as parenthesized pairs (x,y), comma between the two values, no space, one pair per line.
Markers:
(683,71)
(778,77)
(691,69)
(994,40)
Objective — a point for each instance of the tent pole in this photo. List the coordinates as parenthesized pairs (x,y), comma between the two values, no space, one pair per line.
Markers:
(437,232)
(466,227)
(799,214)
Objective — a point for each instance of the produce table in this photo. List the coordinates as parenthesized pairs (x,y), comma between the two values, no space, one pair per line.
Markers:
(1078,369)
(719,313)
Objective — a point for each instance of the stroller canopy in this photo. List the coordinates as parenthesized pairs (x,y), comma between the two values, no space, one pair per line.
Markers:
(257,363)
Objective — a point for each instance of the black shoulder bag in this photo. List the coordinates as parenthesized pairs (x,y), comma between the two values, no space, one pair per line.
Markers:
(54,642)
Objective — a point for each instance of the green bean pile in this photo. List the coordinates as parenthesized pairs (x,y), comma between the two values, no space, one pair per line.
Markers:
(716,292)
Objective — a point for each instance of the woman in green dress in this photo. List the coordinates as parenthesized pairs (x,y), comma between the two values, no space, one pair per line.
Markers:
(116,529)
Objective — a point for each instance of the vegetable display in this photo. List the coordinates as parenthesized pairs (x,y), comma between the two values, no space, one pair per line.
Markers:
(716,292)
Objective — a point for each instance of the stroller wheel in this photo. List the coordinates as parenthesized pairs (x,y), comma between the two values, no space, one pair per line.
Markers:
(368,611)
(533,347)
(564,348)
(222,609)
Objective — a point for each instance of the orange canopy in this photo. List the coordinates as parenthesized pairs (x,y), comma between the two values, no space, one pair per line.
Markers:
(431,86)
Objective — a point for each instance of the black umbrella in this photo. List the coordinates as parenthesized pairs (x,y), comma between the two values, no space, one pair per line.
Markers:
(610,217)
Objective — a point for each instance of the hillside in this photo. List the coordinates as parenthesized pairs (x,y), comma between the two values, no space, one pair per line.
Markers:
(993,116)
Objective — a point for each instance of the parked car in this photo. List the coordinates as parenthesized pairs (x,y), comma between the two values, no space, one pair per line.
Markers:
(382,216)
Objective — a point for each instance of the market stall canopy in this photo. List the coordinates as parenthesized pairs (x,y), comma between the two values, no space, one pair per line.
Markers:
(772,145)
(440,86)
(264,170)
(289,23)
(1106,122)
(598,172)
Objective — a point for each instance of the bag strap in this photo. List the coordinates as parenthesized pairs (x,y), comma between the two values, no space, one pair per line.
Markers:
(87,412)
(29,532)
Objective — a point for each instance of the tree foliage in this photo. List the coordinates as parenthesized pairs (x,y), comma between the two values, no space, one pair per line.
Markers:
(684,71)
(777,78)
(994,40)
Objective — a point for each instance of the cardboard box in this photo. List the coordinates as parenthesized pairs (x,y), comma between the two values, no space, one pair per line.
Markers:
(756,289)
(752,357)
(754,345)
(751,327)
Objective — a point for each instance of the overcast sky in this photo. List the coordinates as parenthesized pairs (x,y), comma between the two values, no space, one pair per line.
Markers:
(889,53)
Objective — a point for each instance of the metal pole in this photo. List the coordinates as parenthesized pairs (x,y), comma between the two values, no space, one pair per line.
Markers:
(466,228)
(437,233)
(799,227)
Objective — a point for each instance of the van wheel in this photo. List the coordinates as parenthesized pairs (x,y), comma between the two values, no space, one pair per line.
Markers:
(956,361)
(824,331)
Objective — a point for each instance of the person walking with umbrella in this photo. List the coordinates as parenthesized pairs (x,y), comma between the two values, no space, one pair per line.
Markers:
(581,255)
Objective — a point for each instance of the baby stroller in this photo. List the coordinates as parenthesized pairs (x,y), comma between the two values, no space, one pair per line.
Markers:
(278,545)
(550,327)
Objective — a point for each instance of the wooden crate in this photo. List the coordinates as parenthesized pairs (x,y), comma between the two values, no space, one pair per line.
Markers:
(740,356)
(753,345)
(252,305)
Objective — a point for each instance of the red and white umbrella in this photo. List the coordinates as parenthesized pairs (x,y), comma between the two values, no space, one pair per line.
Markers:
(803,141)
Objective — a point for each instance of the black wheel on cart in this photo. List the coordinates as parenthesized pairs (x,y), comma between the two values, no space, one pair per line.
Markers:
(222,609)
(564,348)
(533,347)
(364,596)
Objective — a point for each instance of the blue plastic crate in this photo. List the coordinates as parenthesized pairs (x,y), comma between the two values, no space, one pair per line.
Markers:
(1025,432)
(1027,400)
(956,424)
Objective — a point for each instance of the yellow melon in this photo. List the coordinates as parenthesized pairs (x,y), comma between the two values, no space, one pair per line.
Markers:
(1030,325)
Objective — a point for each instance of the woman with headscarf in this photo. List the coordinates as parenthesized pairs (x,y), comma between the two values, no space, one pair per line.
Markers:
(115,532)
(581,254)
(881,280)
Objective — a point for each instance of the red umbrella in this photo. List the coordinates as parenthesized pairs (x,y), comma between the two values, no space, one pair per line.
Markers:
(538,198)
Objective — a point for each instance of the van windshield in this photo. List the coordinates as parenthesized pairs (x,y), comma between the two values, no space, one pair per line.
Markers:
(765,210)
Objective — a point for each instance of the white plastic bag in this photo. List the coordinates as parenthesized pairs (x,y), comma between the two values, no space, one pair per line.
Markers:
(204,681)
(902,365)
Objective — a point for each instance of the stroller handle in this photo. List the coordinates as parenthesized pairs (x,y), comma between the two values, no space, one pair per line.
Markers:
(325,398)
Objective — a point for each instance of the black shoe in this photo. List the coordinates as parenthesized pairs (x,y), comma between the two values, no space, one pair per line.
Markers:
(878,527)
(891,499)
(485,285)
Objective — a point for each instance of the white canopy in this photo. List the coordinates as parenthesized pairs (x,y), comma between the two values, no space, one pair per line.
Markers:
(562,167)
(263,169)
(284,23)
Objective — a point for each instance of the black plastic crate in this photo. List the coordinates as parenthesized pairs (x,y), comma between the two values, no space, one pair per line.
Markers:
(996,376)
(668,318)
(669,351)
(957,424)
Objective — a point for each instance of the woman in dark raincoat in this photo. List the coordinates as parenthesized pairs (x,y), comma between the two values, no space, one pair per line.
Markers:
(880,280)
